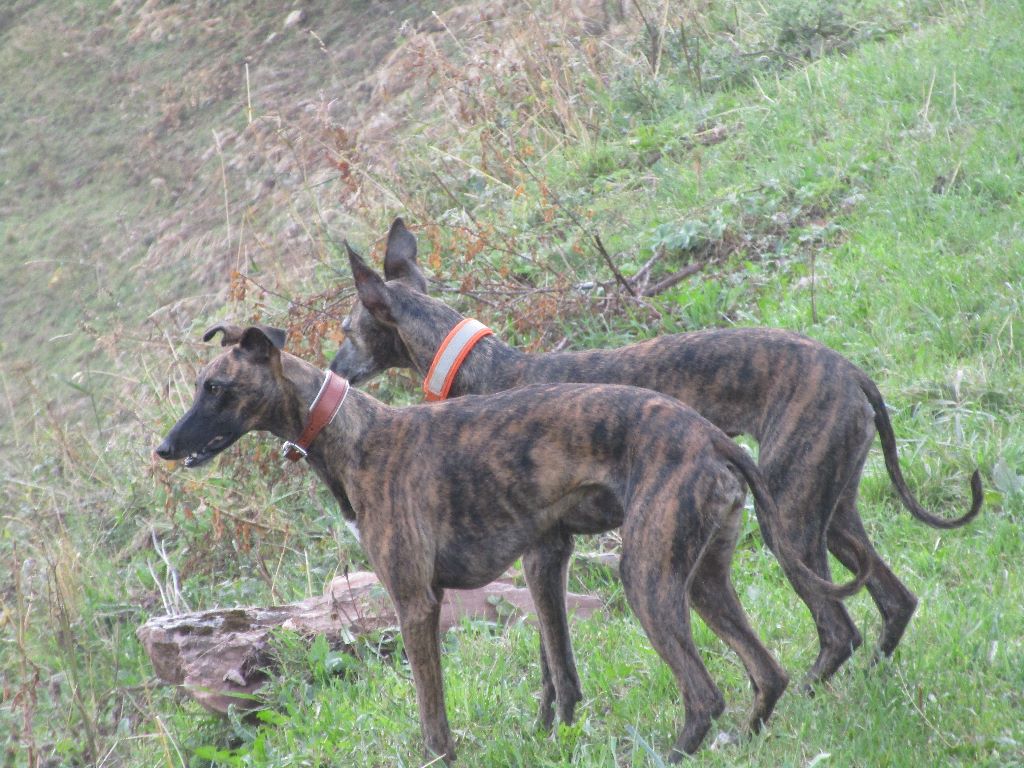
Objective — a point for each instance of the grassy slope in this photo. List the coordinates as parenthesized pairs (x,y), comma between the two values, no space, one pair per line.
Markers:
(922,289)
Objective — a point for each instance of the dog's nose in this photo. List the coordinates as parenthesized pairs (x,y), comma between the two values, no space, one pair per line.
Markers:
(165,450)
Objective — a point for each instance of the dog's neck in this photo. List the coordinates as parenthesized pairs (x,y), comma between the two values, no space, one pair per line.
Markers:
(491,366)
(339,444)
(494,366)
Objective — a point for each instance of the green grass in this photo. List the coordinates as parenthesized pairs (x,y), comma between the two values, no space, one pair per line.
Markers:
(883,154)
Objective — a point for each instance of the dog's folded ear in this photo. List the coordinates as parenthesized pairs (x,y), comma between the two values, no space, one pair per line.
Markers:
(373,293)
(261,337)
(262,341)
(231,333)
(400,257)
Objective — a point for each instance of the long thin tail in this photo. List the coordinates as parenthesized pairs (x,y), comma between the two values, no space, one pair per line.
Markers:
(789,558)
(892,464)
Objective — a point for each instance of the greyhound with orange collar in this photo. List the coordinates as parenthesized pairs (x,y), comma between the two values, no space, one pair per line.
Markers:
(449,495)
(813,413)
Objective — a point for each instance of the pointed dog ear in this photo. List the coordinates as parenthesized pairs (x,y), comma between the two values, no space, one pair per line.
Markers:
(400,257)
(373,293)
(262,342)
(231,333)
(278,336)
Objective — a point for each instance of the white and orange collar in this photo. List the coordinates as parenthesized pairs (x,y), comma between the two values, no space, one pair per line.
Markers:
(453,350)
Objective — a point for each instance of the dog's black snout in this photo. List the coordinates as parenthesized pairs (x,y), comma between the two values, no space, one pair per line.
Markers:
(165,450)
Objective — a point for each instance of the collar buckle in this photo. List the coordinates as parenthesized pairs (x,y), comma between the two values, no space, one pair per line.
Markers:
(293,451)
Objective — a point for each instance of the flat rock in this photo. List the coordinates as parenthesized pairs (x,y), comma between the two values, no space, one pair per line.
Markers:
(221,657)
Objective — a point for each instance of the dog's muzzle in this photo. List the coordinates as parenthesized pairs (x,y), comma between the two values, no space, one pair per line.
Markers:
(192,459)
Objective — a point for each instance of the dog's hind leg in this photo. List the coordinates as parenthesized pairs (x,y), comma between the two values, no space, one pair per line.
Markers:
(805,501)
(657,562)
(895,602)
(546,567)
(714,597)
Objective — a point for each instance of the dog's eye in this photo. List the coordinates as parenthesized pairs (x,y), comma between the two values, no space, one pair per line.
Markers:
(212,388)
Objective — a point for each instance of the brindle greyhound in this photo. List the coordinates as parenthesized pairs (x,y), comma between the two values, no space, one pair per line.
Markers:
(450,495)
(810,409)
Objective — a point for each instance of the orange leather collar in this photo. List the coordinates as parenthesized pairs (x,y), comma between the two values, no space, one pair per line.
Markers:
(321,413)
(449,357)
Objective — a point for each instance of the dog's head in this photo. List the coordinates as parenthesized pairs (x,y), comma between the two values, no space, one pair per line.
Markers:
(234,394)
(393,323)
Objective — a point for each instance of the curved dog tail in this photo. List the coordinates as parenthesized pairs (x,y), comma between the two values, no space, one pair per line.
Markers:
(892,464)
(791,561)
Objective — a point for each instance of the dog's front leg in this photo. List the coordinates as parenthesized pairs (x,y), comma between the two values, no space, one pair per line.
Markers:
(546,568)
(419,618)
